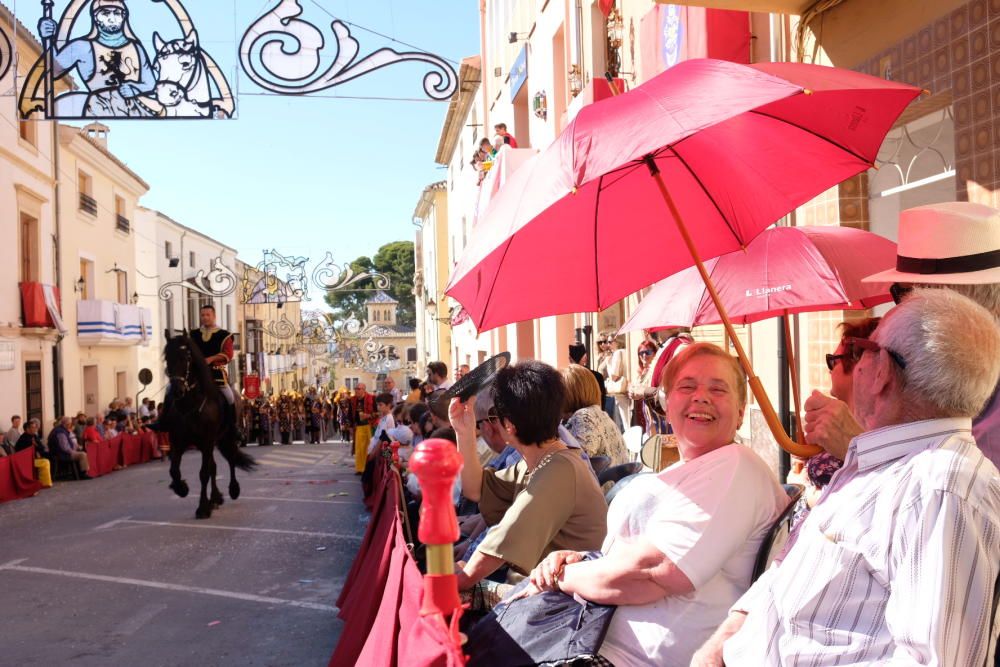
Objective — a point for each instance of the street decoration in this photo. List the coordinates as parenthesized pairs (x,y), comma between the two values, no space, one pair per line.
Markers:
(282,52)
(94,66)
(6,53)
(220,281)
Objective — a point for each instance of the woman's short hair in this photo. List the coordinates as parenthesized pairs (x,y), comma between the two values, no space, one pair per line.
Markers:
(862,328)
(693,350)
(646,345)
(531,395)
(582,389)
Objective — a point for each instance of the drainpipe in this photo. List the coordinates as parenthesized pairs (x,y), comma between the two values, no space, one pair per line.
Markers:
(184,297)
(57,379)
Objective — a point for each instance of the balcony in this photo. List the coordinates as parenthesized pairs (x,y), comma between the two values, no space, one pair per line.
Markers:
(107,323)
(40,307)
(122,224)
(507,161)
(88,204)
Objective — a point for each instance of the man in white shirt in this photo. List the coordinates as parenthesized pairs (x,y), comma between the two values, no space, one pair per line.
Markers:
(897,562)
(437,376)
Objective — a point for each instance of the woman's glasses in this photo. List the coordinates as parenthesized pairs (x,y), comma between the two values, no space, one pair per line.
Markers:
(832,359)
(647,353)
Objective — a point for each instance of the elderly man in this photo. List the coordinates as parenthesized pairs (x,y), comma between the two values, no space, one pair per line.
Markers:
(63,444)
(898,560)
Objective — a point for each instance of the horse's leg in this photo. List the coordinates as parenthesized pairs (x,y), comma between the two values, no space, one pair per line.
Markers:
(177,485)
(204,510)
(216,498)
(234,486)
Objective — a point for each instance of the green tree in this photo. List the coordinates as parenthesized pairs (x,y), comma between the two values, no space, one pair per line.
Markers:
(395,261)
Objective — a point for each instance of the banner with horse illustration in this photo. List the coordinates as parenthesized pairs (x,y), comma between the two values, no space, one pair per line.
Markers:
(149,59)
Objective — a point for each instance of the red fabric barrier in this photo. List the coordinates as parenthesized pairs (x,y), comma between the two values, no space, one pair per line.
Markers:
(381,616)
(17,476)
(138,448)
(104,456)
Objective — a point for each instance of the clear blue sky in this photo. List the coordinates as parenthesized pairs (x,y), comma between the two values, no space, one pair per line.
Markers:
(302,175)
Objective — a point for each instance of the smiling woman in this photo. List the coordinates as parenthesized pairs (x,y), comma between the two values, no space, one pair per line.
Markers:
(681,544)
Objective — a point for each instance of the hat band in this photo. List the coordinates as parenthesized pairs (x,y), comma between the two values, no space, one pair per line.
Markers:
(964,264)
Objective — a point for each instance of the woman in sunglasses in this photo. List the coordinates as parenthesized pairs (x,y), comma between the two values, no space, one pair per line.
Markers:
(642,388)
(820,469)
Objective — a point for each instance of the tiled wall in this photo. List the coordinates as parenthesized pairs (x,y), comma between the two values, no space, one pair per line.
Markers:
(959,52)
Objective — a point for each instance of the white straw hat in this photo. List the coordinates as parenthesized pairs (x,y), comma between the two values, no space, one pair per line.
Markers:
(955,243)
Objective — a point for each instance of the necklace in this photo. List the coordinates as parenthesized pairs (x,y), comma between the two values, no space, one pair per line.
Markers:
(541,464)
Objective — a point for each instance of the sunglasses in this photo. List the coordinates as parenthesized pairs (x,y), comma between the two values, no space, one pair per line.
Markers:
(489,418)
(898,292)
(647,353)
(405,422)
(832,359)
(859,346)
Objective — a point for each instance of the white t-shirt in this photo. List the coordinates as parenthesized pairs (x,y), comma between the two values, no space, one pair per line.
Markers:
(384,424)
(708,516)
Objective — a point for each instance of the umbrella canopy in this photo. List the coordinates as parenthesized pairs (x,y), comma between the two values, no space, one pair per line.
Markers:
(583,224)
(783,271)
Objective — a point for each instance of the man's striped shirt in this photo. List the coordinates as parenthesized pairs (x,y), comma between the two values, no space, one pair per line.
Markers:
(896,563)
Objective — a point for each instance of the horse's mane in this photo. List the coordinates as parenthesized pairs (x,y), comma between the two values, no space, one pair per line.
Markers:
(201,370)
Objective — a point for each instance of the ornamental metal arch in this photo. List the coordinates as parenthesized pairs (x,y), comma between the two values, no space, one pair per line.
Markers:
(119,80)
(281,53)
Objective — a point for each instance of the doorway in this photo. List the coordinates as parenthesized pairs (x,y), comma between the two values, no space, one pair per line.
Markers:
(90,388)
(33,390)
(121,385)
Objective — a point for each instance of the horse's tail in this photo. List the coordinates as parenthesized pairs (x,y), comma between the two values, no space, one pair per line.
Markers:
(237,457)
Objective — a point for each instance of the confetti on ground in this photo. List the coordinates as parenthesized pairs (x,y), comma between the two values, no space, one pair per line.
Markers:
(214,623)
(320,548)
(305,581)
(343,493)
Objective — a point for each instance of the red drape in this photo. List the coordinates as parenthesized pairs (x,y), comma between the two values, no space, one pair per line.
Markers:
(381,600)
(17,476)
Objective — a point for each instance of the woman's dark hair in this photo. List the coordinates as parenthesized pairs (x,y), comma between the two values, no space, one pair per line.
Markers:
(414,384)
(445,433)
(417,411)
(530,395)
(385,398)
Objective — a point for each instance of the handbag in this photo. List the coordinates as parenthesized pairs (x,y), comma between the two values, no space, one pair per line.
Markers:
(551,628)
(619,386)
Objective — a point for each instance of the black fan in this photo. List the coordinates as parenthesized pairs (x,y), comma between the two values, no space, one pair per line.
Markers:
(479,378)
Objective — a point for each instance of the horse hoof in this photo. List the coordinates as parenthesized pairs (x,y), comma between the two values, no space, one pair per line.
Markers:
(203,512)
(180,488)
(217,502)
(234,489)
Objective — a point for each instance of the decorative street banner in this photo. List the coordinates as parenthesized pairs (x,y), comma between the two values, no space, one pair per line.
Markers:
(282,53)
(6,52)
(95,65)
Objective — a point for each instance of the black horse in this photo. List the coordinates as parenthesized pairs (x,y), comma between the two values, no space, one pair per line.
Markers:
(194,414)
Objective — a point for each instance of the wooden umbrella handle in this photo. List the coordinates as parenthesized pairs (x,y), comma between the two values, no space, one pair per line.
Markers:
(770,416)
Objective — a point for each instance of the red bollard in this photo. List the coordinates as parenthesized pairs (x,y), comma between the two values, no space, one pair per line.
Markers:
(436,463)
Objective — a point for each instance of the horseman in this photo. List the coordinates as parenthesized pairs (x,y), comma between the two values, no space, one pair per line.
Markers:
(110,60)
(216,346)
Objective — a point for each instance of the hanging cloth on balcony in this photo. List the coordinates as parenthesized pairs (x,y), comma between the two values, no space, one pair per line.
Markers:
(52,305)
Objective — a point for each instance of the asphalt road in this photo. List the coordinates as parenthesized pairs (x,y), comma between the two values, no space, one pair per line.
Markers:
(117,571)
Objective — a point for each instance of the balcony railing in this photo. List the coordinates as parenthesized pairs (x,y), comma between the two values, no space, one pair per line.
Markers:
(122,224)
(88,204)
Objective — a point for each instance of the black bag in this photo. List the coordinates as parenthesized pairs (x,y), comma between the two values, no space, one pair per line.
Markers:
(550,628)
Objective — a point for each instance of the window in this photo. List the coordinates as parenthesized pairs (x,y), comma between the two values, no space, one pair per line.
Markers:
(411,355)
(33,393)
(121,219)
(122,279)
(87,273)
(192,309)
(229,317)
(168,317)
(29,249)
(352,383)
(191,259)
(168,249)
(86,186)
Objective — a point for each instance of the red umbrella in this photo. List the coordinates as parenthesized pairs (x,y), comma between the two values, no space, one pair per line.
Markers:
(728,148)
(783,271)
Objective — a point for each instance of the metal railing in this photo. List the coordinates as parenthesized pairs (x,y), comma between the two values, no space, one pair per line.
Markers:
(88,204)
(122,224)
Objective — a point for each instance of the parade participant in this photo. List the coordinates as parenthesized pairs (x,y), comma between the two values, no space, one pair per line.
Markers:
(898,560)
(344,418)
(110,61)
(216,346)
(363,417)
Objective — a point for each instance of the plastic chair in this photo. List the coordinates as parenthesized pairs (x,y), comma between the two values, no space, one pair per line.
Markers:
(633,441)
(618,472)
(777,534)
(600,463)
(621,484)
